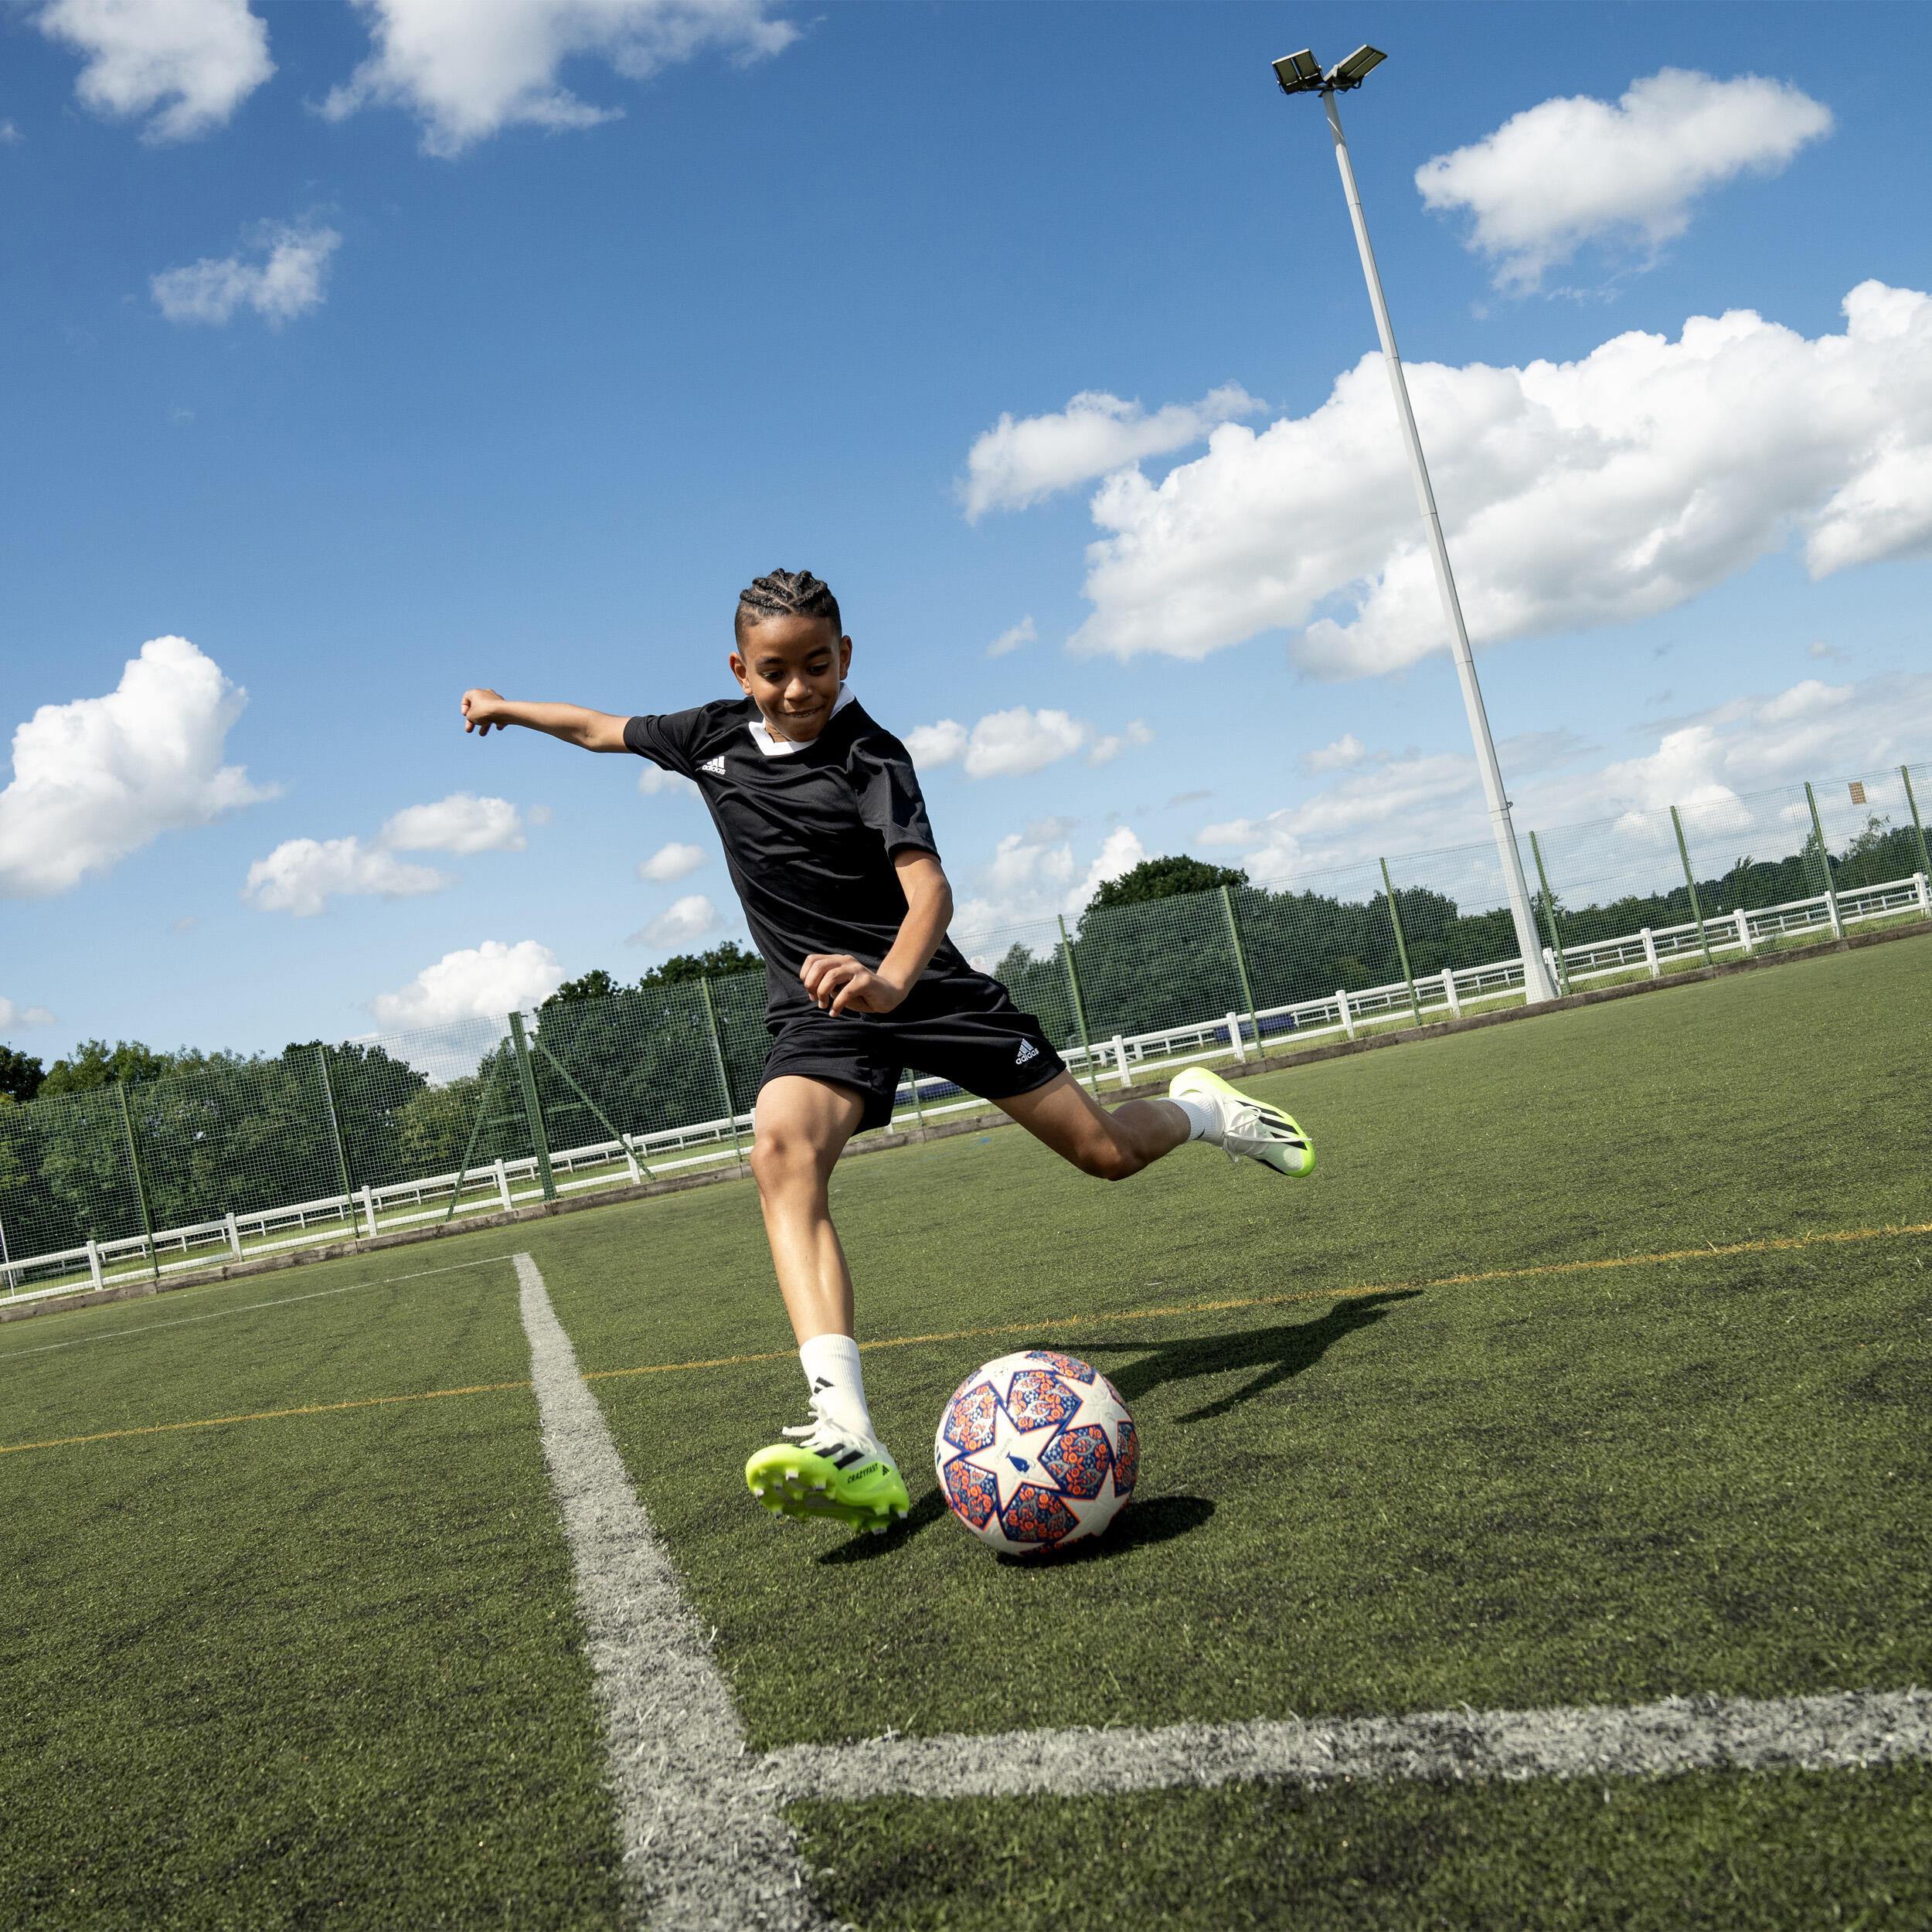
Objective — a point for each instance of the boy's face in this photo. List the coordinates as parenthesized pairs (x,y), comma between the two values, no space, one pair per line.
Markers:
(791,667)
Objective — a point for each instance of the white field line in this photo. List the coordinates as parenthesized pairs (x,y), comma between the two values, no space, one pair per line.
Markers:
(1844,1730)
(704,1846)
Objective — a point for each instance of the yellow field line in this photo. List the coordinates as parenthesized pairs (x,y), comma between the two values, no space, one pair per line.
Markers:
(1776,1245)
(261,1415)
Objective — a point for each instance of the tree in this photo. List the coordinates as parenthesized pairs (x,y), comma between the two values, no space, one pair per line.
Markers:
(20,1074)
(722,962)
(1166,878)
(94,1063)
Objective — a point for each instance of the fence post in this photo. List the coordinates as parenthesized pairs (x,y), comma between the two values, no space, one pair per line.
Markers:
(1079,1009)
(503,1186)
(1744,931)
(532,1107)
(335,1133)
(94,1260)
(1650,952)
(1402,944)
(1925,858)
(1683,852)
(1234,1025)
(1549,917)
(140,1185)
(919,1106)
(1241,966)
(1449,992)
(1342,1006)
(718,1060)
(369,1208)
(1824,860)
(234,1234)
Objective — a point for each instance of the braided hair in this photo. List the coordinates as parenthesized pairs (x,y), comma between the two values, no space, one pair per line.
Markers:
(784,593)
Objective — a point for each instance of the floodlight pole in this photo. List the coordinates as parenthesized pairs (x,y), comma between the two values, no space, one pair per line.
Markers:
(1536,986)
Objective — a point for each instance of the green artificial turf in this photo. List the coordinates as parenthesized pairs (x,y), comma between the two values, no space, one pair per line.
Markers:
(318,1669)
(1721,1852)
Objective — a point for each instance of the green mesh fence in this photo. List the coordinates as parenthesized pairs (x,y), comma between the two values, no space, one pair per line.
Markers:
(232,1156)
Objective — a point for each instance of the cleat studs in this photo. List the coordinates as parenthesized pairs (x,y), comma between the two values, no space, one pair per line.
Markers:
(878,1529)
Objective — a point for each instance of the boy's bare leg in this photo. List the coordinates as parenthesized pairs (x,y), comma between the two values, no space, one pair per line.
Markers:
(1110,1146)
(803,1125)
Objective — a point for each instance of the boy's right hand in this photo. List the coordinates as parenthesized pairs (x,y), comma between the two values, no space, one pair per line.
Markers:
(483,707)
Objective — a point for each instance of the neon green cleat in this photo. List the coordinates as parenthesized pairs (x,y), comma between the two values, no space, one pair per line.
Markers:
(1246,1126)
(830,1476)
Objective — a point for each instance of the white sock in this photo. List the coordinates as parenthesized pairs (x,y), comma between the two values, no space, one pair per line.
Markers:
(1203,1123)
(830,1363)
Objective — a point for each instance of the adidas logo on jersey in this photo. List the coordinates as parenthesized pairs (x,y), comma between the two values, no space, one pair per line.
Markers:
(714,766)
(1028,1051)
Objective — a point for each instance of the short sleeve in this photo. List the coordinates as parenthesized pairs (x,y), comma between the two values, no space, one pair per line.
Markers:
(889,800)
(667,739)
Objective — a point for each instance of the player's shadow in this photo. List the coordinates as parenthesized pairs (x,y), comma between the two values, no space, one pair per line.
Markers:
(1157,1520)
(1279,1353)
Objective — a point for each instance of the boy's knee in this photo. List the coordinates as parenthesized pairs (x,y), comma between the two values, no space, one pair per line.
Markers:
(1107,1160)
(779,1157)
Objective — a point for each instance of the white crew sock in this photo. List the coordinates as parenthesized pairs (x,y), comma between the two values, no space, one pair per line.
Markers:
(1203,1122)
(830,1363)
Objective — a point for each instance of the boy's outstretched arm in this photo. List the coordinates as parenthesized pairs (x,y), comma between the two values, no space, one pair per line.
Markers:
(484,711)
(841,984)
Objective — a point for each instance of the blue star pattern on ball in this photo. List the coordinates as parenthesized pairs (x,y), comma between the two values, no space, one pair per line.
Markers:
(1037,1450)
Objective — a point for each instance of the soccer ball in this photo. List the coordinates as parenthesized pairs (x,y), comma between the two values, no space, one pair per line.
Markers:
(1037,1450)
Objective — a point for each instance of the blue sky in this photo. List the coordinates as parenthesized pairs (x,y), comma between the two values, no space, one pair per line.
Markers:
(425,360)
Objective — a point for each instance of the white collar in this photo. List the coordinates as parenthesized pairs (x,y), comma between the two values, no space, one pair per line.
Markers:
(784,747)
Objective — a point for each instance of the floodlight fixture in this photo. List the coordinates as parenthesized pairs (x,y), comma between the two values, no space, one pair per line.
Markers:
(1301,73)
(1351,72)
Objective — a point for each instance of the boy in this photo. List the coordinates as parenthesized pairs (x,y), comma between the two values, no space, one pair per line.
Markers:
(826,837)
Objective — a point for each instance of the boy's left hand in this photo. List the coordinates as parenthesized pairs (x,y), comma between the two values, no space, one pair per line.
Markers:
(839,983)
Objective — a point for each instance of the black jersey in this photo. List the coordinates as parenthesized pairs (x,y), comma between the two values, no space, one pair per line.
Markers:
(809,836)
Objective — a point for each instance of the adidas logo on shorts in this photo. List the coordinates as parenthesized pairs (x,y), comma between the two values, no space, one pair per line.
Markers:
(714,766)
(1028,1051)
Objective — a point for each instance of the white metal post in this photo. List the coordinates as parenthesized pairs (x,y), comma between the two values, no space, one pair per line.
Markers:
(94,1260)
(1744,931)
(1233,1023)
(234,1235)
(1341,1005)
(1650,953)
(1449,991)
(502,1184)
(1925,897)
(1119,1044)
(369,1208)
(1537,982)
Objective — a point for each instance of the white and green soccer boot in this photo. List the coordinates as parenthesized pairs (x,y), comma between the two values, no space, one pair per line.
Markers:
(830,1475)
(1247,1128)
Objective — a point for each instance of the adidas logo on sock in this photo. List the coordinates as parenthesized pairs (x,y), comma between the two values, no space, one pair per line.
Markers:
(1028,1051)
(714,766)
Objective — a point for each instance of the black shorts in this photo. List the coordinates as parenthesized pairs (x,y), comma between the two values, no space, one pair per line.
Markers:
(963,1028)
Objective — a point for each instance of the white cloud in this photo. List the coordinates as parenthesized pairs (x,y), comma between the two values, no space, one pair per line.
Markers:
(937,744)
(654,779)
(1574,494)
(286,281)
(1021,632)
(14,1019)
(1348,750)
(479,982)
(202,57)
(1008,744)
(300,875)
(673,862)
(1034,875)
(687,918)
(1015,464)
(1556,175)
(461,824)
(467,68)
(1701,763)
(9,133)
(1105,750)
(101,777)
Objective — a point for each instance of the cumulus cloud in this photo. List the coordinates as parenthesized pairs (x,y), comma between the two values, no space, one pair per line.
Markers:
(1702,763)
(687,918)
(461,824)
(9,133)
(1557,175)
(478,982)
(1008,744)
(654,779)
(1034,875)
(1105,750)
(1573,493)
(287,280)
(195,60)
(942,743)
(1015,464)
(1348,750)
(673,862)
(13,1018)
(1021,632)
(300,875)
(466,71)
(99,778)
